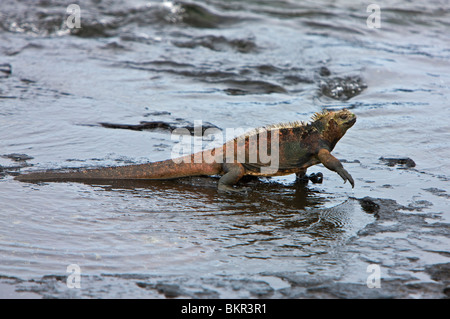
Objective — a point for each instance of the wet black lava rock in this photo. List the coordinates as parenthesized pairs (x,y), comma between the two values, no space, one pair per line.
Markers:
(316,178)
(162,125)
(342,89)
(17,157)
(405,162)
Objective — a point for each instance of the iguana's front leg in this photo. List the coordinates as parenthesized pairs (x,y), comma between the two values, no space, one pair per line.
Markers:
(332,163)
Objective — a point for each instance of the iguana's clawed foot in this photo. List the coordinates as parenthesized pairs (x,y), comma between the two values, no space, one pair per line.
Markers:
(232,190)
(315,178)
(346,176)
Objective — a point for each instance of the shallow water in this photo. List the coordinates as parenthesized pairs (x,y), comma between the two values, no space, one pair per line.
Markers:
(233,64)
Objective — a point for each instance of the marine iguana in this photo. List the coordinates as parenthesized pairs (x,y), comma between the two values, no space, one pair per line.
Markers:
(293,147)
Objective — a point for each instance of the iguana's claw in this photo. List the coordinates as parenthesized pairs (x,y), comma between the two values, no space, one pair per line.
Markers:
(346,176)
(232,190)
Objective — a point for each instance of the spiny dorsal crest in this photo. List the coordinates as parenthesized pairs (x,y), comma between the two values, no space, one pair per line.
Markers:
(319,115)
(278,126)
(289,125)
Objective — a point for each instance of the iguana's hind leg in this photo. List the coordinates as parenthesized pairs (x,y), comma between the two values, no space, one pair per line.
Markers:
(233,173)
(301,177)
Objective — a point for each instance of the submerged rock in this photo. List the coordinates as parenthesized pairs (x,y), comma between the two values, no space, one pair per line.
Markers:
(439,272)
(5,70)
(369,205)
(219,43)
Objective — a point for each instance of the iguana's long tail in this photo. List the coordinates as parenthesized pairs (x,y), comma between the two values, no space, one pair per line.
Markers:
(158,170)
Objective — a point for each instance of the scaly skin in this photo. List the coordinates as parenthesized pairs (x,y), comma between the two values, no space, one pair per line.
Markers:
(272,151)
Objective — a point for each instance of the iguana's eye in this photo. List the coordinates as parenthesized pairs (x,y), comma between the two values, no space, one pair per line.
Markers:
(343,116)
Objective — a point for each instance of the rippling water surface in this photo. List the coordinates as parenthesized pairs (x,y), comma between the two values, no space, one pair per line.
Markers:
(231,64)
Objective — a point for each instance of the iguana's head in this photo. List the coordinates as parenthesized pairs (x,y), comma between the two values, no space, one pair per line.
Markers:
(333,125)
